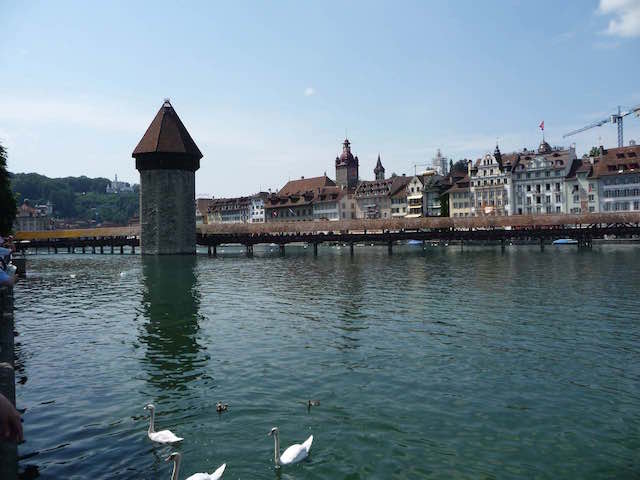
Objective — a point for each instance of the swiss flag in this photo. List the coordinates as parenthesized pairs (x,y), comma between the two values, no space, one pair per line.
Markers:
(542,125)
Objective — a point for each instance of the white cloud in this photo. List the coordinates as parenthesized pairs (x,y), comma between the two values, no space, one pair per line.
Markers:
(626,13)
(309,91)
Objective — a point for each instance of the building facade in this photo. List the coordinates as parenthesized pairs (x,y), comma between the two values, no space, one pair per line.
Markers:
(489,186)
(538,180)
(617,171)
(415,193)
(459,197)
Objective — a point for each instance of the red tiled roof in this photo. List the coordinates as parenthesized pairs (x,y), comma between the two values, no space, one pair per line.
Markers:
(621,160)
(305,185)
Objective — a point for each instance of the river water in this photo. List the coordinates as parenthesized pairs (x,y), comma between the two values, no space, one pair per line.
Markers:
(434,363)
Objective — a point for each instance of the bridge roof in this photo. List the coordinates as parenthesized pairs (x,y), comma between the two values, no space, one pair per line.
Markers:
(167,134)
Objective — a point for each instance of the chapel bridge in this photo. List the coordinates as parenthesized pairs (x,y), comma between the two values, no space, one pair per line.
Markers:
(541,228)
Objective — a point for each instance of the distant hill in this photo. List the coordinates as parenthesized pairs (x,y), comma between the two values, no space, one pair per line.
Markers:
(80,198)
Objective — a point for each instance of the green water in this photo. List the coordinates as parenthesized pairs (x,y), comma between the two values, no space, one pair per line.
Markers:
(427,364)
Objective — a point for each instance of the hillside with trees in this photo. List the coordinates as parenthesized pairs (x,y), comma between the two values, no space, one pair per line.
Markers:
(80,198)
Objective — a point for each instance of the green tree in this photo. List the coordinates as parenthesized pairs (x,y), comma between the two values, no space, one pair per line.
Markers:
(8,207)
(444,205)
(594,152)
(459,166)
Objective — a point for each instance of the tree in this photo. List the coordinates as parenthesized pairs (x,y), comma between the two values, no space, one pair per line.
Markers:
(8,207)
(444,205)
(459,166)
(594,152)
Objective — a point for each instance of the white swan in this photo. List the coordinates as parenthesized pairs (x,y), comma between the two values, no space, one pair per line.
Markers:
(176,457)
(163,436)
(294,453)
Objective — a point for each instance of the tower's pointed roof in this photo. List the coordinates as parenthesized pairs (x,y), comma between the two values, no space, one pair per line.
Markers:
(167,134)
(379,167)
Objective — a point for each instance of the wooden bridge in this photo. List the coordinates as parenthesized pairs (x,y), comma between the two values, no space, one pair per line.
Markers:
(541,228)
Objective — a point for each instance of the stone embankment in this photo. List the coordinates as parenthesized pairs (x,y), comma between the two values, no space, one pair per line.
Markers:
(8,450)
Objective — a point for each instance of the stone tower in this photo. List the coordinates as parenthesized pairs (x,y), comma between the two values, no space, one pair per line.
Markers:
(379,170)
(167,159)
(347,167)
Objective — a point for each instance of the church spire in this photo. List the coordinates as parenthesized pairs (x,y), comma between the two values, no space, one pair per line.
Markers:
(379,170)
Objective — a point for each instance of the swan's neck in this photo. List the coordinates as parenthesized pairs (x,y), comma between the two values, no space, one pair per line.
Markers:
(176,468)
(151,429)
(276,454)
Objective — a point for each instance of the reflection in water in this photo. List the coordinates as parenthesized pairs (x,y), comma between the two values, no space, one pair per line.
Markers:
(170,306)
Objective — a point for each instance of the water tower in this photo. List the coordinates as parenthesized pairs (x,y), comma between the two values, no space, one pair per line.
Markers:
(167,159)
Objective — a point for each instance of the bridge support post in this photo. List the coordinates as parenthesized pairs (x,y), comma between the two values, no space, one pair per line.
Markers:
(215,250)
(282,249)
(249,250)
(461,245)
(68,249)
(121,249)
(209,250)
(502,245)
(133,249)
(83,251)
(55,249)
(351,248)
(390,247)
(112,249)
(315,249)
(93,249)
(101,249)
(542,244)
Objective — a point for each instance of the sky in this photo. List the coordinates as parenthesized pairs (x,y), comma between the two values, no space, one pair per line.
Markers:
(268,90)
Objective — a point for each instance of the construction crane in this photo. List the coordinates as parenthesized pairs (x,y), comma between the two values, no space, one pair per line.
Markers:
(613,118)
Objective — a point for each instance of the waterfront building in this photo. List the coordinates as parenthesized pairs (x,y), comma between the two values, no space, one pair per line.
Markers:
(202,210)
(415,192)
(294,201)
(459,196)
(116,186)
(617,171)
(434,187)
(347,167)
(398,196)
(372,198)
(326,203)
(289,208)
(538,179)
(257,214)
(167,159)
(581,190)
(489,186)
(230,210)
(31,219)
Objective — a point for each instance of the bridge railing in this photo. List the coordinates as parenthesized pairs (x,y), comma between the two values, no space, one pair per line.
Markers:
(425,223)
(360,225)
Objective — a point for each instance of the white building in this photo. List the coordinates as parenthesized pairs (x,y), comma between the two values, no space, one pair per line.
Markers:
(617,171)
(538,179)
(257,208)
(116,187)
(490,192)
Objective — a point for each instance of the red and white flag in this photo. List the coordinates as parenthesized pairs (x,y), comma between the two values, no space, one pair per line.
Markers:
(542,126)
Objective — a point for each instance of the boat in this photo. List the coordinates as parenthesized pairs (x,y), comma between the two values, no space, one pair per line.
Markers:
(565,241)
(414,242)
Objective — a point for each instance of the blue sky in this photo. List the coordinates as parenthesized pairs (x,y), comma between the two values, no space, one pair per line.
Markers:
(267,89)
